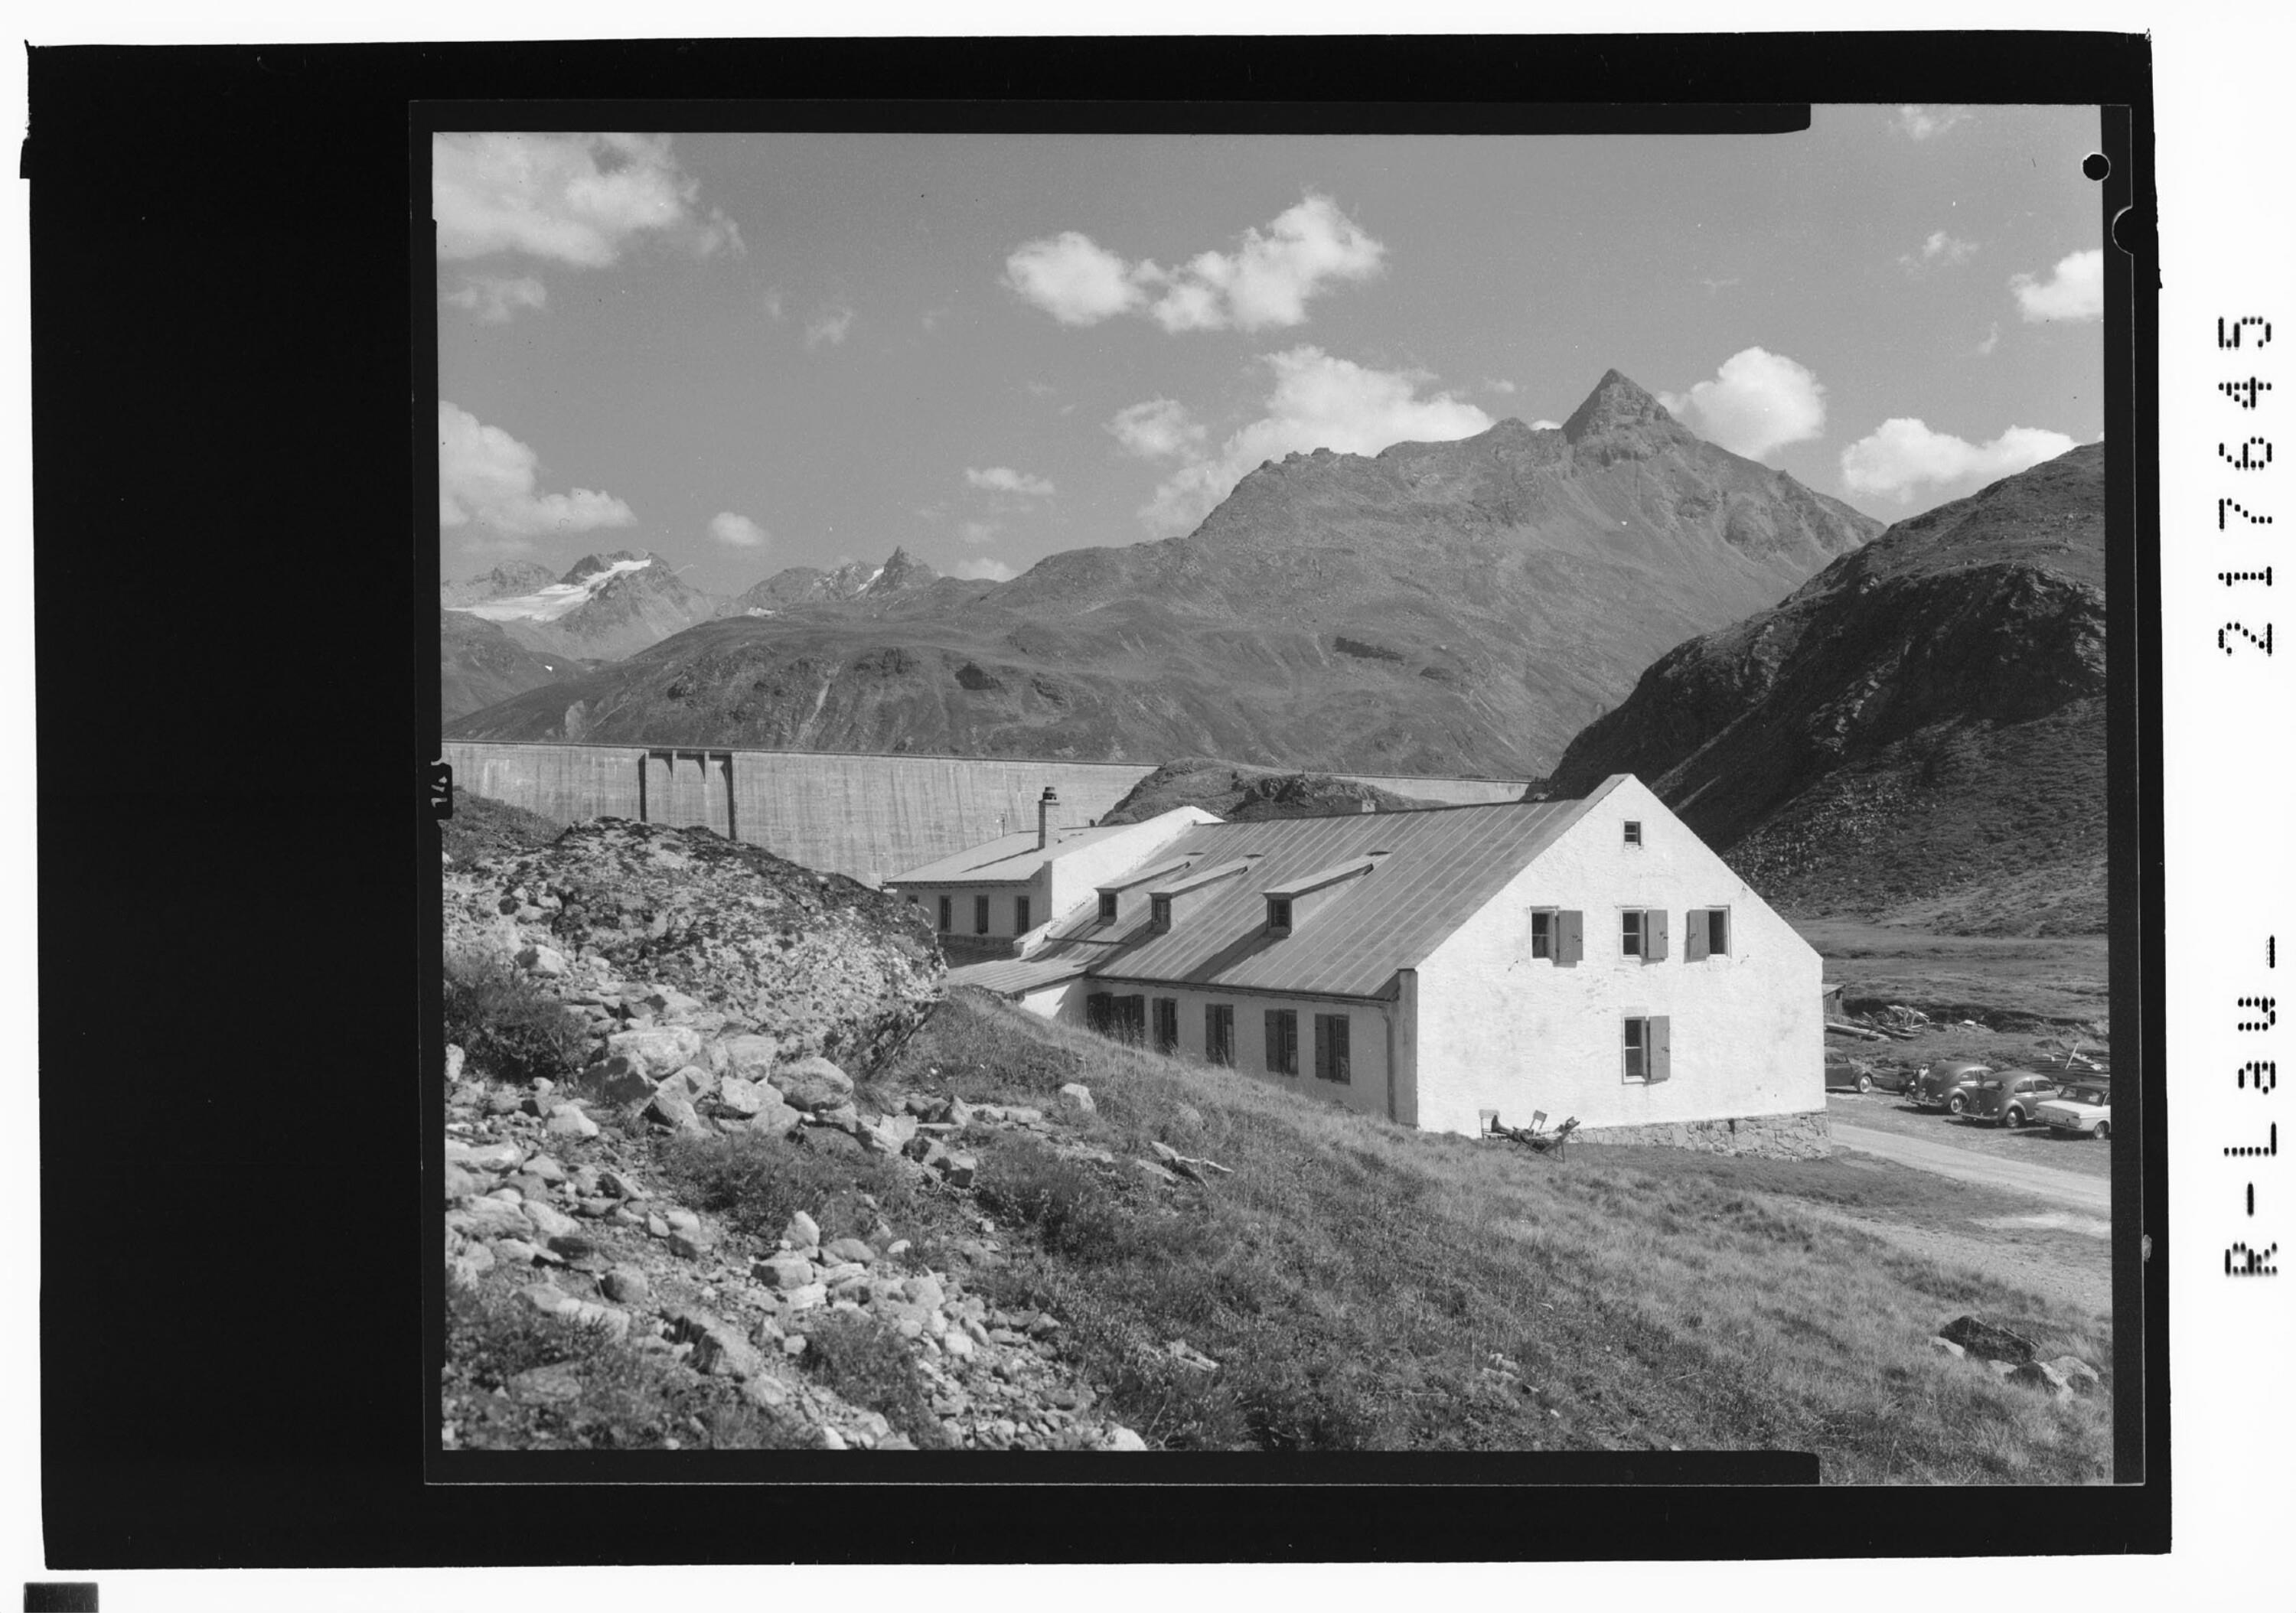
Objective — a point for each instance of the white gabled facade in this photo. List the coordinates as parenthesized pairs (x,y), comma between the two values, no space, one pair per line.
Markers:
(1495,1026)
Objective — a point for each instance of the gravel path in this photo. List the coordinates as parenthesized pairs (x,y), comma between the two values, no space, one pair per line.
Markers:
(2040,1181)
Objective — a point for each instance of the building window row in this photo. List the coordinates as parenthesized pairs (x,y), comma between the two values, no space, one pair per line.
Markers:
(1558,934)
(1140,1020)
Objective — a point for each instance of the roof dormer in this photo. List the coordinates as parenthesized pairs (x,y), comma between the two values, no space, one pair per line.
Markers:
(1122,899)
(1174,900)
(1291,904)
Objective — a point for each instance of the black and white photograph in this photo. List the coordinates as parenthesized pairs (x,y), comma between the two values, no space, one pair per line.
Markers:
(1250,793)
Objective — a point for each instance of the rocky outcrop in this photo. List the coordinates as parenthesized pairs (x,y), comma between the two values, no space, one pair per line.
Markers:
(1922,722)
(1237,793)
(684,933)
(1436,607)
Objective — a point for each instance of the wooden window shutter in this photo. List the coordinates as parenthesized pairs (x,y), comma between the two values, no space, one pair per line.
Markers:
(1694,936)
(1274,1040)
(1342,1071)
(1653,934)
(1570,936)
(1322,1047)
(1657,1057)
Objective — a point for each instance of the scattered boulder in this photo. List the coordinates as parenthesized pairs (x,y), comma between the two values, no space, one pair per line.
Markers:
(744,1097)
(568,1121)
(1077,1097)
(802,1233)
(658,1050)
(751,1057)
(782,1272)
(1947,1347)
(694,1081)
(1987,1342)
(774,1116)
(851,1249)
(675,1110)
(2040,1375)
(626,1285)
(542,960)
(813,1084)
(2078,1375)
(1121,1438)
(455,1057)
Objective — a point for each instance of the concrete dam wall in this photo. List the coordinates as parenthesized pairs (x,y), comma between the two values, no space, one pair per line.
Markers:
(868,816)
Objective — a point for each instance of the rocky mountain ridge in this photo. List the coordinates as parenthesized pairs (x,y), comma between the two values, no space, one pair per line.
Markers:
(1916,729)
(1455,607)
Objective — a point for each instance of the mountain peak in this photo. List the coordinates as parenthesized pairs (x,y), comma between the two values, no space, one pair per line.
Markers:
(624,559)
(1616,405)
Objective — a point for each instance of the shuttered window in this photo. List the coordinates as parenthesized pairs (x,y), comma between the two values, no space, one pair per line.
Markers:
(1219,1033)
(1020,915)
(1648,1048)
(980,916)
(1642,933)
(1706,934)
(948,916)
(1542,932)
(1167,1024)
(1570,936)
(1283,1042)
(1332,1048)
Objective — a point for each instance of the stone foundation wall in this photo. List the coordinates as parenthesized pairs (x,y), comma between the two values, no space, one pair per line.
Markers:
(1775,1137)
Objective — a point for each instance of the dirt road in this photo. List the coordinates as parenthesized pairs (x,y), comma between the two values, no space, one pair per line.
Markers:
(2062,1187)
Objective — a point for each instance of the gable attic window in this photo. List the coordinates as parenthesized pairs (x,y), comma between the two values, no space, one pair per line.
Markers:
(1279,915)
(1159,913)
(1108,908)
(1633,832)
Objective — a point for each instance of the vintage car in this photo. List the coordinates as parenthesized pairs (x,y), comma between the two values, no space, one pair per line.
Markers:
(1845,1074)
(2086,1109)
(1941,1079)
(2006,1097)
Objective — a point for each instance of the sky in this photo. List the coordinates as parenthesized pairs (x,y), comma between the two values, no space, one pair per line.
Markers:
(749,352)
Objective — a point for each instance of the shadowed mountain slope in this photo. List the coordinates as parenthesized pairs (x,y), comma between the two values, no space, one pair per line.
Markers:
(1918,731)
(1456,607)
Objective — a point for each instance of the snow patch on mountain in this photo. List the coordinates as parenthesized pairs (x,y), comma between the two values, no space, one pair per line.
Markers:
(548,604)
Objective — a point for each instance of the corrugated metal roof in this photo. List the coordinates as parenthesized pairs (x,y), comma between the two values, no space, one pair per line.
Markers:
(1443,865)
(1012,856)
(1010,976)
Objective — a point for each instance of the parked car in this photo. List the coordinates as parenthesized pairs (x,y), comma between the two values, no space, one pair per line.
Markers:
(2005,1097)
(1844,1074)
(2085,1108)
(1935,1086)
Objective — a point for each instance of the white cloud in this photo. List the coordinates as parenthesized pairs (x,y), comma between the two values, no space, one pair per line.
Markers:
(977,532)
(1757,402)
(495,299)
(1318,402)
(1940,250)
(984,570)
(1507,387)
(738,531)
(1547,425)
(486,476)
(1895,460)
(1074,280)
(1158,429)
(2074,289)
(579,199)
(1992,341)
(828,325)
(1266,281)
(1003,478)
(772,304)
(1921,122)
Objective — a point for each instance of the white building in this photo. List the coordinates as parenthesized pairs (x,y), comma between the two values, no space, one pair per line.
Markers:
(1589,958)
(1001,898)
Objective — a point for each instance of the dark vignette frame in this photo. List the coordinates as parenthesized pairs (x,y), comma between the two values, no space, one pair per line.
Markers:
(340,1468)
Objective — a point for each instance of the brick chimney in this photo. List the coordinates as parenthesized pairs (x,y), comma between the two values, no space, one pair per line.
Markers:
(1048,813)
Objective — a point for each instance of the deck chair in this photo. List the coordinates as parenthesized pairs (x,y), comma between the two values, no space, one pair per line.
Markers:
(1556,1141)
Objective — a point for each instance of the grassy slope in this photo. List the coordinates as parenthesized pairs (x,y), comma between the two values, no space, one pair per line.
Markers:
(1357,1281)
